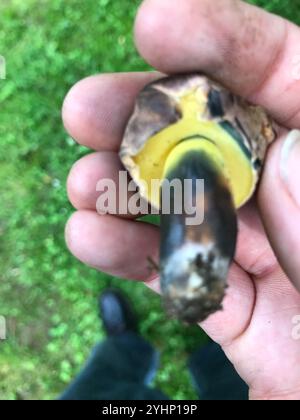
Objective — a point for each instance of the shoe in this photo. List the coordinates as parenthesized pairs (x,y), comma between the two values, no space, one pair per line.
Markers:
(117,313)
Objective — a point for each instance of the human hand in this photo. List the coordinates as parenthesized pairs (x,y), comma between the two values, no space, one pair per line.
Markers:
(256,55)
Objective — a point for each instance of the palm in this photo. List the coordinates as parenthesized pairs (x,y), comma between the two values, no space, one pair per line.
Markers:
(255,328)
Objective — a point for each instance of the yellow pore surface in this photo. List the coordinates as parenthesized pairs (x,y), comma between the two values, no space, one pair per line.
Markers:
(160,149)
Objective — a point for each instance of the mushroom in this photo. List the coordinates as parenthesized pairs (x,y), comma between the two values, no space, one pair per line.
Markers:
(188,128)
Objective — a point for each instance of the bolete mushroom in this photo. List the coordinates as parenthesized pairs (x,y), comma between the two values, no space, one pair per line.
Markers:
(190,128)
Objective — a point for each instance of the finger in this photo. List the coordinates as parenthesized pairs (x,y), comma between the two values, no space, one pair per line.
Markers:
(96,109)
(254,53)
(86,173)
(279,199)
(85,191)
(116,246)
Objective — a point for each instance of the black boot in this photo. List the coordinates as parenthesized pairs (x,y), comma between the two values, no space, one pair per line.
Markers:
(117,313)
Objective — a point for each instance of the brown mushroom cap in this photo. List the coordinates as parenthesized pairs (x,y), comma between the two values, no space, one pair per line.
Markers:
(160,105)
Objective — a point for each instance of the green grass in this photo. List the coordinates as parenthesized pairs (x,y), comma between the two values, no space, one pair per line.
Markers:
(48,298)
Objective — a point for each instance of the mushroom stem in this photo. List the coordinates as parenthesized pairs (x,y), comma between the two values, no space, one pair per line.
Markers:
(195,257)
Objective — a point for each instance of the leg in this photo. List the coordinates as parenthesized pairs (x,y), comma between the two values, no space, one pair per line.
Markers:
(123,366)
(120,368)
(215,377)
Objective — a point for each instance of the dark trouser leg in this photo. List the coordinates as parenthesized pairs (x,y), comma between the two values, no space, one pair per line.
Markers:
(215,377)
(118,369)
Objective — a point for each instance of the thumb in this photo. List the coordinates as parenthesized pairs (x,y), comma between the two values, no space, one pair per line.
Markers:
(279,202)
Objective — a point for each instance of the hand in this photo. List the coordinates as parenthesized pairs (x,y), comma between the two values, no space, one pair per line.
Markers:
(255,55)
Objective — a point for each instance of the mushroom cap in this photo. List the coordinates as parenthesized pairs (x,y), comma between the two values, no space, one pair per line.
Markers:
(173,109)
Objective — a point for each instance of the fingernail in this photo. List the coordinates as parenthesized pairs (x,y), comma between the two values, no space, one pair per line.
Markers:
(290,164)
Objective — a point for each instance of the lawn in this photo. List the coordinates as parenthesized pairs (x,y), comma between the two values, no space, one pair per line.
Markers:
(48,298)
